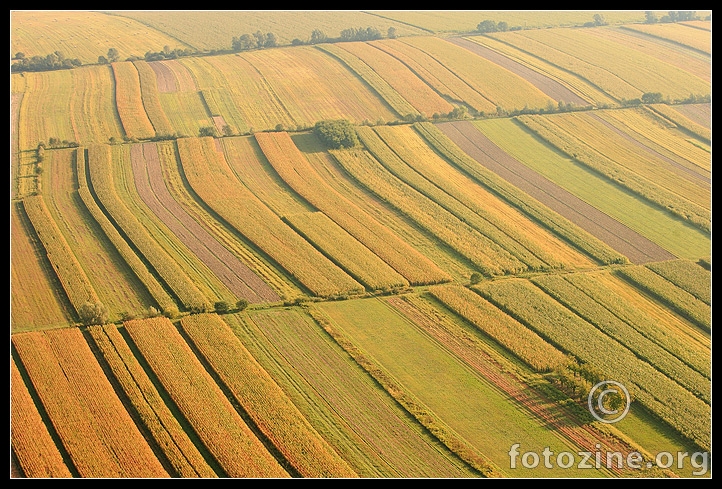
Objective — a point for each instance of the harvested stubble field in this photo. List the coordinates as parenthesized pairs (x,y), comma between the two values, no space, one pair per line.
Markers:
(522,213)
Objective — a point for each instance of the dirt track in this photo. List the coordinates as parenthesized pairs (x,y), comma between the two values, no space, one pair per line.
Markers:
(618,236)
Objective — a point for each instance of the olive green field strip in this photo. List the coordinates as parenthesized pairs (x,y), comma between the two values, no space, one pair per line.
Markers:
(404,81)
(481,253)
(129,101)
(149,88)
(436,75)
(102,182)
(527,303)
(677,298)
(389,439)
(250,165)
(698,39)
(31,442)
(388,93)
(500,327)
(37,298)
(201,401)
(604,148)
(263,400)
(149,181)
(95,253)
(575,83)
(487,152)
(688,119)
(496,83)
(577,301)
(71,275)
(92,424)
(549,86)
(648,316)
(213,181)
(423,169)
(688,276)
(444,385)
(293,167)
(474,350)
(646,226)
(616,68)
(186,112)
(465,156)
(424,249)
(83,34)
(141,270)
(161,423)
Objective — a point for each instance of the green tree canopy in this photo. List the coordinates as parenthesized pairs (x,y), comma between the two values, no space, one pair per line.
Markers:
(337,134)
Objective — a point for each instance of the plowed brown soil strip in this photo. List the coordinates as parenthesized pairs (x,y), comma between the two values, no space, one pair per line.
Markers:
(165,77)
(148,176)
(553,88)
(626,241)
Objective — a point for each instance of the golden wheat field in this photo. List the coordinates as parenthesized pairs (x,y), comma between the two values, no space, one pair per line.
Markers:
(383,244)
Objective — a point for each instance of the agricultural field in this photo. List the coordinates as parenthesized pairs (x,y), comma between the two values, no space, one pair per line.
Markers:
(360,244)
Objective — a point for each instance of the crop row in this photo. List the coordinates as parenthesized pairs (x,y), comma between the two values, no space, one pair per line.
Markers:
(675,297)
(404,154)
(588,144)
(296,171)
(155,289)
(36,452)
(438,76)
(71,275)
(129,101)
(213,181)
(522,201)
(672,114)
(266,404)
(344,250)
(374,80)
(485,255)
(689,415)
(201,401)
(686,275)
(496,83)
(151,99)
(90,420)
(644,348)
(628,304)
(101,179)
(502,328)
(404,81)
(155,415)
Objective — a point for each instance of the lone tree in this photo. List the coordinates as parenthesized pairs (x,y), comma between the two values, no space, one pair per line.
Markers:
(93,313)
(241,304)
(337,134)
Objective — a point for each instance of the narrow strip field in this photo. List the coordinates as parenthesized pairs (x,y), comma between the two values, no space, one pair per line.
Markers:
(366,426)
(31,442)
(626,241)
(551,87)
(152,188)
(213,181)
(460,396)
(292,165)
(222,430)
(130,103)
(265,403)
(91,421)
(162,424)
